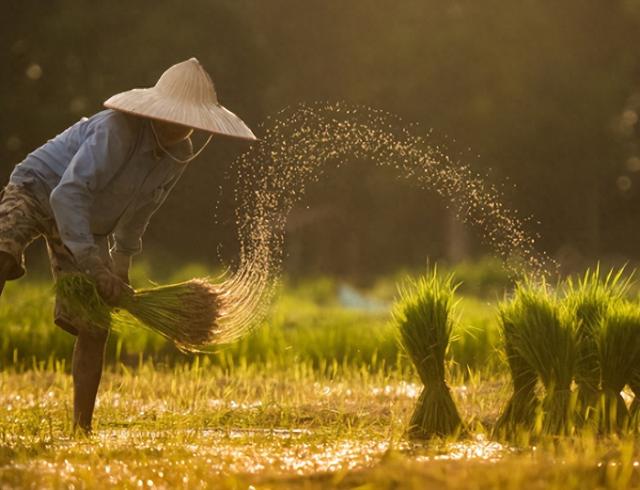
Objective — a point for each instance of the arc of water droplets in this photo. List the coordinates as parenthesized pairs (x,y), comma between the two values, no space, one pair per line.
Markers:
(272,177)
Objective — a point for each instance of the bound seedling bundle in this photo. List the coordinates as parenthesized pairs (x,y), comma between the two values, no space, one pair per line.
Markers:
(424,317)
(618,345)
(520,411)
(590,336)
(541,336)
(187,313)
(590,299)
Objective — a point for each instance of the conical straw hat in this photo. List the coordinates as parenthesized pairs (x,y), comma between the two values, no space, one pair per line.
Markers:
(183,95)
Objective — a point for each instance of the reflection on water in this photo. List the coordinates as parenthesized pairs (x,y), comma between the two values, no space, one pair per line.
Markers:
(398,390)
(478,448)
(245,451)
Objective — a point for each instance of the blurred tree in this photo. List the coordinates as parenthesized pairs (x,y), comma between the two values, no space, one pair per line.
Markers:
(537,88)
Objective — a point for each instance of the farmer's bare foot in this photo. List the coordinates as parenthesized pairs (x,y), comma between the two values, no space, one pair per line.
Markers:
(88,357)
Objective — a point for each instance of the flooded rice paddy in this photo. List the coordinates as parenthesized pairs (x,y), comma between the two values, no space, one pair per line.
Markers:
(195,427)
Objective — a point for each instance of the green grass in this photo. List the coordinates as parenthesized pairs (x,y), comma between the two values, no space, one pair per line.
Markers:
(307,323)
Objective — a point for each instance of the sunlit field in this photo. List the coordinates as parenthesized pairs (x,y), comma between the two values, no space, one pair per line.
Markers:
(320,396)
(353,244)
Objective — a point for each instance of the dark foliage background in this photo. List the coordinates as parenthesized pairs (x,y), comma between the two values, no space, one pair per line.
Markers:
(539,95)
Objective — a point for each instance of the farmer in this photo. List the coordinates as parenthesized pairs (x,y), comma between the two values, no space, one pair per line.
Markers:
(91,190)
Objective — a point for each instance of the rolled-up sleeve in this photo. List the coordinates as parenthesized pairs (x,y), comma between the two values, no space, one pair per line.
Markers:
(95,163)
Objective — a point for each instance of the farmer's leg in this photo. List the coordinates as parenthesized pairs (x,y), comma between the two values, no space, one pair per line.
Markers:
(88,352)
(88,359)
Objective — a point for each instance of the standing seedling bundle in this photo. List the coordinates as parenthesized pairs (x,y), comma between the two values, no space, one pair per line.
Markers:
(618,356)
(187,313)
(543,336)
(423,315)
(590,299)
(520,411)
(634,384)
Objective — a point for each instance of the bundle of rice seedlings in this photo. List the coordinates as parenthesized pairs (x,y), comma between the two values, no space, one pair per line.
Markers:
(634,409)
(186,313)
(543,336)
(589,299)
(82,298)
(619,356)
(520,411)
(423,315)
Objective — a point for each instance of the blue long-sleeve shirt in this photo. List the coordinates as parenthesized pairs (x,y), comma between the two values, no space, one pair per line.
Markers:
(103,176)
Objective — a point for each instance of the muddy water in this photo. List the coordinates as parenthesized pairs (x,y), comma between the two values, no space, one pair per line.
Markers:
(277,452)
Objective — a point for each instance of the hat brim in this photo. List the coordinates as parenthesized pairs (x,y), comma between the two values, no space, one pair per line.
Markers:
(213,118)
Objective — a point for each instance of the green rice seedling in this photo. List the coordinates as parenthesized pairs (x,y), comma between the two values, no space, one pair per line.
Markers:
(424,318)
(634,409)
(589,299)
(81,297)
(520,411)
(634,384)
(185,313)
(618,355)
(543,336)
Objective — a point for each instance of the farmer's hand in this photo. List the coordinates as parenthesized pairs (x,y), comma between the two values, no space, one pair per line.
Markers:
(121,266)
(109,286)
